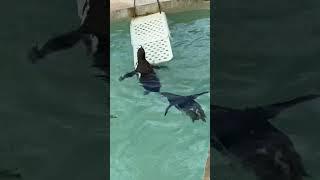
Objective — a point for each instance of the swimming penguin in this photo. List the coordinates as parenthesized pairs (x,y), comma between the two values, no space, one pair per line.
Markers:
(248,135)
(148,78)
(92,32)
(113,116)
(186,104)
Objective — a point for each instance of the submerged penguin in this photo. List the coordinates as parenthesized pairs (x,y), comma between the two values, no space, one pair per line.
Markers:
(148,78)
(186,104)
(249,136)
(92,32)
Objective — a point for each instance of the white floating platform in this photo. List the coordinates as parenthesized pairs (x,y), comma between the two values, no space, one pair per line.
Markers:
(152,33)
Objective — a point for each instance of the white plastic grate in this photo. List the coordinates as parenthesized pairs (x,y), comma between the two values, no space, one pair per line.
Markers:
(152,33)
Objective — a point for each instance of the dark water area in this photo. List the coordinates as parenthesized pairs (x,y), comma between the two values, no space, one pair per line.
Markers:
(52,114)
(268,52)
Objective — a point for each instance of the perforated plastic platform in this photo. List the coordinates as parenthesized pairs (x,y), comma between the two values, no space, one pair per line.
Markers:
(152,33)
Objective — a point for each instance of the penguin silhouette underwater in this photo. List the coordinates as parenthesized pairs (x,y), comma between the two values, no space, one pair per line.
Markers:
(186,104)
(92,32)
(249,136)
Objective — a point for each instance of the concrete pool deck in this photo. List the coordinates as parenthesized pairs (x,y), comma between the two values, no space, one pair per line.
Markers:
(123,9)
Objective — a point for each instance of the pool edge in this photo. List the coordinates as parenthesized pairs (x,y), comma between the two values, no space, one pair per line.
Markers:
(125,11)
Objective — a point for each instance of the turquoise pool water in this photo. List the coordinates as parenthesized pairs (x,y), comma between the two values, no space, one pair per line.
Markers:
(145,144)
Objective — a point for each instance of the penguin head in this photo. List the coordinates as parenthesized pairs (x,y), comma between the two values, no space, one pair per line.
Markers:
(141,54)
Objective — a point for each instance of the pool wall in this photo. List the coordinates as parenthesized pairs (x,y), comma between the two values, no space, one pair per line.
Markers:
(123,9)
(206,174)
